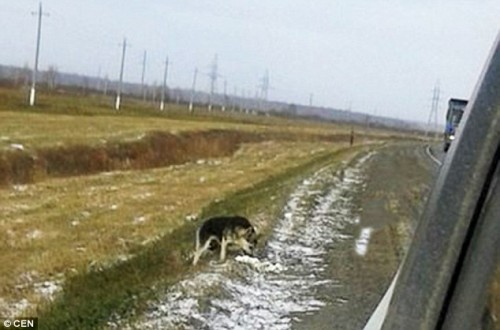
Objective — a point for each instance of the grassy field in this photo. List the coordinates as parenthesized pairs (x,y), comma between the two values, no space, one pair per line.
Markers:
(124,227)
(61,119)
(92,120)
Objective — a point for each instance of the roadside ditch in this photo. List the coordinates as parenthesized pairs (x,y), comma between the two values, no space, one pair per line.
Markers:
(19,165)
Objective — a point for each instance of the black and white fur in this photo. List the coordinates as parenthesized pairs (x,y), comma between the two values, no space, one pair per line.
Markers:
(225,231)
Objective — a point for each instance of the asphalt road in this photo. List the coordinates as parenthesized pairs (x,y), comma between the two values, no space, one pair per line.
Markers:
(397,182)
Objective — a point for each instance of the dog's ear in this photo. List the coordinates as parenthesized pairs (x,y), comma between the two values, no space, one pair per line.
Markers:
(250,231)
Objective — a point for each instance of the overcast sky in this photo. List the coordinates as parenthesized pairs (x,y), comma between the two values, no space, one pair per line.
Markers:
(377,56)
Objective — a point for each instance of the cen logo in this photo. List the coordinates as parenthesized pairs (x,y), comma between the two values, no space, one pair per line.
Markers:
(20,323)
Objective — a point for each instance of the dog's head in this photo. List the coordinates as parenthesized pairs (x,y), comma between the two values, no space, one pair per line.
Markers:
(247,239)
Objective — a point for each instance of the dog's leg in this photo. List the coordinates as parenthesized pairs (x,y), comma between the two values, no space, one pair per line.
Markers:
(197,255)
(197,239)
(223,247)
(199,252)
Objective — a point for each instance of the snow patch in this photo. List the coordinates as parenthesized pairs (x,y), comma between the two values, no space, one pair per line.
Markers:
(139,219)
(35,234)
(17,146)
(261,266)
(363,240)
(48,289)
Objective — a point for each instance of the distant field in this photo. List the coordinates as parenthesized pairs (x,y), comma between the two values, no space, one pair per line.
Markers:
(91,120)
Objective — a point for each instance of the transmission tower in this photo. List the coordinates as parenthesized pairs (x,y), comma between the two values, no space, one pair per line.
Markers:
(213,75)
(40,13)
(264,89)
(433,114)
(265,85)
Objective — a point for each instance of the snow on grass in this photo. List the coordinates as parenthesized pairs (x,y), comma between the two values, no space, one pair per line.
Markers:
(12,309)
(43,290)
(48,289)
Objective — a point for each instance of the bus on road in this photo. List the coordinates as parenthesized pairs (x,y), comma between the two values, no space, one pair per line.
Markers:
(456,108)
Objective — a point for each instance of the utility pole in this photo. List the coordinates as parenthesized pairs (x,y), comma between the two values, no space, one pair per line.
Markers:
(434,108)
(213,80)
(225,96)
(235,98)
(244,101)
(164,87)
(255,105)
(118,94)
(99,79)
(311,99)
(105,87)
(193,88)
(37,52)
(143,89)
(351,137)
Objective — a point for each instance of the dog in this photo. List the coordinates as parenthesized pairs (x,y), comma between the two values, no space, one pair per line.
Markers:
(225,231)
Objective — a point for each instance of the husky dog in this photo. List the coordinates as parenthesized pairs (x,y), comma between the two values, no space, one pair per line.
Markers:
(225,231)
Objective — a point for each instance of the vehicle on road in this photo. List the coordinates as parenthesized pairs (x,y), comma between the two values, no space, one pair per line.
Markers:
(456,108)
